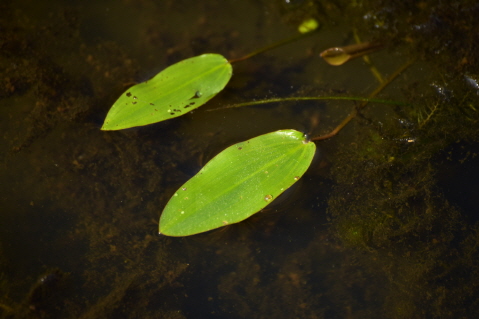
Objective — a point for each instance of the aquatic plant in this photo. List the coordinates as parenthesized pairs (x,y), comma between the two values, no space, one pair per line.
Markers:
(245,177)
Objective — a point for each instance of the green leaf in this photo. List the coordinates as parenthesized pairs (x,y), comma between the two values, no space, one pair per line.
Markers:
(176,90)
(237,183)
(308,26)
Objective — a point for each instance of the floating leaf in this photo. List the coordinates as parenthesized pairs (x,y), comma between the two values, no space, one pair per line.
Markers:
(237,183)
(176,90)
(340,55)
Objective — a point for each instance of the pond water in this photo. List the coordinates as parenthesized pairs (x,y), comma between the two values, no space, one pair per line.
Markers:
(382,225)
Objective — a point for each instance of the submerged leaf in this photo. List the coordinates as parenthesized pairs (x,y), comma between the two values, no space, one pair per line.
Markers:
(308,26)
(237,183)
(176,90)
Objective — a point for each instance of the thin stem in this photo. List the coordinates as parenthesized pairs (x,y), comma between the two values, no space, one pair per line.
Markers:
(272,46)
(362,105)
(367,60)
(310,98)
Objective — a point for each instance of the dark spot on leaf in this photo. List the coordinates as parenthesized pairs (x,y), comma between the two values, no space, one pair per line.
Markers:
(128,94)
(135,97)
(192,103)
(172,113)
(152,104)
(240,148)
(133,102)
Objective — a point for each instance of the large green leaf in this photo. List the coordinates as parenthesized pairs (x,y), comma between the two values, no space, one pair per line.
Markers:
(237,183)
(176,90)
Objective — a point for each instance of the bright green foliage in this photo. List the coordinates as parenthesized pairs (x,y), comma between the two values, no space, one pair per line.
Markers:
(237,183)
(176,90)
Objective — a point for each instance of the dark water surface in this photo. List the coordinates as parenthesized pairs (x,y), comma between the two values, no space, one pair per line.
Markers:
(384,223)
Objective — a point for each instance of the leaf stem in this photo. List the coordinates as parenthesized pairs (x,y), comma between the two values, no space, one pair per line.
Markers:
(273,46)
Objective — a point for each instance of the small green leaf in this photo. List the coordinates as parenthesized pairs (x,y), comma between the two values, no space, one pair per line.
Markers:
(176,90)
(308,26)
(237,183)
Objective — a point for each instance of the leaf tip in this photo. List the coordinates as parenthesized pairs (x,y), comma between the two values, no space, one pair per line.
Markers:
(105,127)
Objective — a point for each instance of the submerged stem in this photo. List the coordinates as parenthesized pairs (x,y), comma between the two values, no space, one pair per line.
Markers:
(362,105)
(311,98)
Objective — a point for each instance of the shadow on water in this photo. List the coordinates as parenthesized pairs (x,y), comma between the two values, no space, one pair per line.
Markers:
(382,225)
